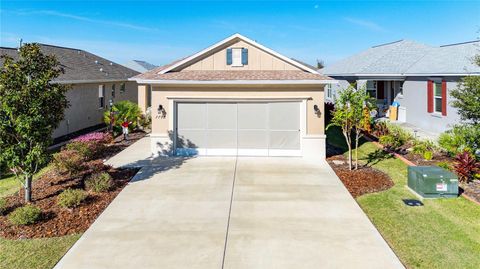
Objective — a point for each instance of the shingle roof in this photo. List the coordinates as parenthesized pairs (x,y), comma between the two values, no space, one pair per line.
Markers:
(81,66)
(408,57)
(233,75)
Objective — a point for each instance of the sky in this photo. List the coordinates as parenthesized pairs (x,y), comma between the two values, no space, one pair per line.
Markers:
(162,31)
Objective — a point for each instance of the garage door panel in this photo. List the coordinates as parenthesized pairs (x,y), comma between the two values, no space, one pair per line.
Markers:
(252,116)
(284,140)
(252,139)
(222,116)
(191,139)
(284,116)
(191,116)
(221,139)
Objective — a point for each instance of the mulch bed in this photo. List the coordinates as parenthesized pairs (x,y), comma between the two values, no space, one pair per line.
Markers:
(472,190)
(358,182)
(58,221)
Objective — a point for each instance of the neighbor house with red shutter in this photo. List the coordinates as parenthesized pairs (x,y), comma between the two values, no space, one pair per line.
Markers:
(418,77)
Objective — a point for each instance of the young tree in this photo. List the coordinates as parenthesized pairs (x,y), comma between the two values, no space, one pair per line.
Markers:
(467,98)
(361,104)
(343,117)
(31,107)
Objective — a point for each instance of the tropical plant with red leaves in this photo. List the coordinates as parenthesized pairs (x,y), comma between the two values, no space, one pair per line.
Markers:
(466,166)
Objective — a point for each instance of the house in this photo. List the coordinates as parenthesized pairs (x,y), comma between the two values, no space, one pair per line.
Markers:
(236,97)
(139,66)
(417,76)
(94,82)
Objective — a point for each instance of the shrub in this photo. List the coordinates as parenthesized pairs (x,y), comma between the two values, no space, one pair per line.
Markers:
(68,162)
(445,165)
(466,166)
(422,146)
(99,182)
(85,149)
(380,129)
(428,155)
(124,109)
(390,141)
(97,137)
(3,205)
(71,198)
(25,215)
(460,138)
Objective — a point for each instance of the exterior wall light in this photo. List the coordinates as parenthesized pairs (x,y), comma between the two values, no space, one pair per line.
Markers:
(317,110)
(161,111)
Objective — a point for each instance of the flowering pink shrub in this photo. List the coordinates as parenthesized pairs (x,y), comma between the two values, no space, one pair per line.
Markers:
(98,137)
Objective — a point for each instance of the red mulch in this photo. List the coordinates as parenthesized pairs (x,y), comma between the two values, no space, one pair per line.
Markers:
(472,190)
(57,221)
(364,180)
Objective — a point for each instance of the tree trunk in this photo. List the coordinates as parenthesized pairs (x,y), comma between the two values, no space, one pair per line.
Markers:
(349,144)
(28,189)
(356,151)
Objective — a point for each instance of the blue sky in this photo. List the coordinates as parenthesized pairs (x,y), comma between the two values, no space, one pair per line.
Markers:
(162,31)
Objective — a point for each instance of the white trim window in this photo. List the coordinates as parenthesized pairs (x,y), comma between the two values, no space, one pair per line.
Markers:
(101,96)
(437,97)
(122,87)
(329,91)
(237,57)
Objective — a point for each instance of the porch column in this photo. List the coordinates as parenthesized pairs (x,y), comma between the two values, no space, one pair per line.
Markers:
(142,98)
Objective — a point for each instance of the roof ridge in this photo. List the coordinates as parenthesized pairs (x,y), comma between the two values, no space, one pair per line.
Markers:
(460,43)
(389,43)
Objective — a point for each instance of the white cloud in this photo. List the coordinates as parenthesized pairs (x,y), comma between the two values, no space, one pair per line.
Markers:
(85,19)
(366,24)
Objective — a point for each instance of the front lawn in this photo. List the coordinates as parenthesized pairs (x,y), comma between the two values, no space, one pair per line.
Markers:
(34,253)
(444,233)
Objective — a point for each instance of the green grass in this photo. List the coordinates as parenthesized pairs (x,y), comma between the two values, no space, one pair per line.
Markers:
(30,253)
(34,253)
(444,233)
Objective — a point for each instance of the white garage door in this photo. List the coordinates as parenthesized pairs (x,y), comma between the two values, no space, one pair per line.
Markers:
(246,129)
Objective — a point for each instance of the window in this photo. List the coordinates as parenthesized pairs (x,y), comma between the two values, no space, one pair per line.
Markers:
(329,91)
(122,87)
(437,96)
(400,88)
(149,95)
(372,88)
(113,91)
(237,57)
(101,96)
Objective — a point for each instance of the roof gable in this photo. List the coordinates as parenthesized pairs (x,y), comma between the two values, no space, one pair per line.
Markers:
(191,60)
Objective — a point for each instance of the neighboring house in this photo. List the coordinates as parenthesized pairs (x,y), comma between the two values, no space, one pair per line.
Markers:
(417,76)
(94,82)
(139,66)
(236,97)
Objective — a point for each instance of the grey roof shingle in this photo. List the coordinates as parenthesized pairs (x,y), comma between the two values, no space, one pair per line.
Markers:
(408,57)
(81,66)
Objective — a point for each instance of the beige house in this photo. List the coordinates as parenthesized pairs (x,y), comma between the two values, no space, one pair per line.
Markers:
(94,82)
(235,98)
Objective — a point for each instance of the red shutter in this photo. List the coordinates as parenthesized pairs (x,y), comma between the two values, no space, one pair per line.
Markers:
(430,96)
(444,98)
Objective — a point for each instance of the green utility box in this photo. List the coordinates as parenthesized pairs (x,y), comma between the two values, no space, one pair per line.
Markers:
(432,182)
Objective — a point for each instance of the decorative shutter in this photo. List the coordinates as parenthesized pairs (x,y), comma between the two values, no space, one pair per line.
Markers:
(444,98)
(430,96)
(229,56)
(244,56)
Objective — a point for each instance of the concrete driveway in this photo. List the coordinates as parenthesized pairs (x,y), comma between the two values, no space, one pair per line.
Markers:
(232,213)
